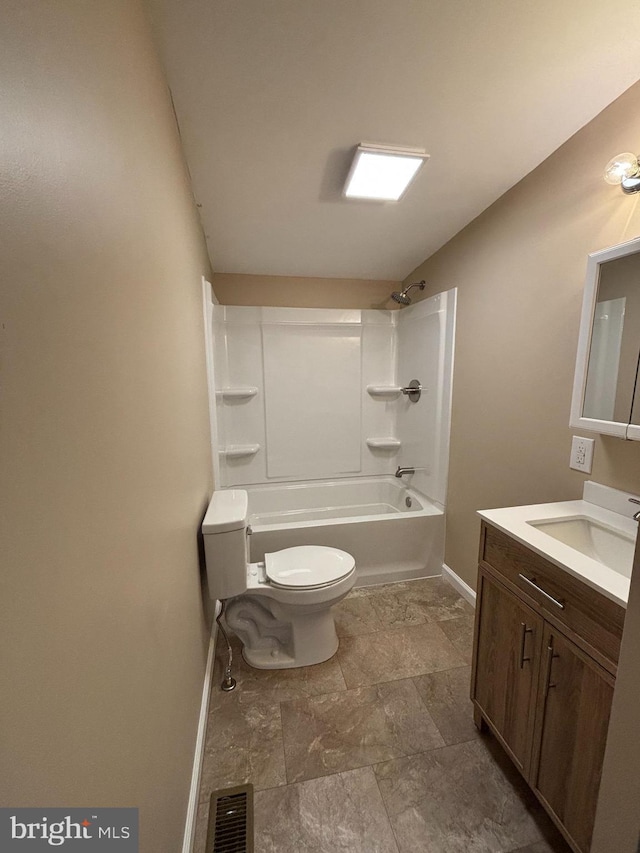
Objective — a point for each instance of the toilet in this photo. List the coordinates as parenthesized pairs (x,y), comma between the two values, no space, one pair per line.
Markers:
(280,608)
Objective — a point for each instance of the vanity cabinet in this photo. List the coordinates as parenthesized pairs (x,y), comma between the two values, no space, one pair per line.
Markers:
(572,723)
(545,655)
(507,663)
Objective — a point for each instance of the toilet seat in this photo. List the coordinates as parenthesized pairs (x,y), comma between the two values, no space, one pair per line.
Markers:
(307,566)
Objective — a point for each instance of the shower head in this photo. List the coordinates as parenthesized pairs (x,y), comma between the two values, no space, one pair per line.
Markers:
(401,296)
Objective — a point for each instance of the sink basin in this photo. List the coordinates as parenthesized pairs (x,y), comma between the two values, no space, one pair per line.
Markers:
(592,539)
(612,547)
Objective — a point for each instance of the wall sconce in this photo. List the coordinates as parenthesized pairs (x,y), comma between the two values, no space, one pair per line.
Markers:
(624,169)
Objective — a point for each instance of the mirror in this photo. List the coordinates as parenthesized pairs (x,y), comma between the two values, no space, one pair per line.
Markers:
(604,398)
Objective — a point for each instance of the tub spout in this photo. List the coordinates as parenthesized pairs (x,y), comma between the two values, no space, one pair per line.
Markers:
(401,471)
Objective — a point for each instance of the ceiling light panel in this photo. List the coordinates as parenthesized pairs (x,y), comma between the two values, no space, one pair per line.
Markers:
(383,173)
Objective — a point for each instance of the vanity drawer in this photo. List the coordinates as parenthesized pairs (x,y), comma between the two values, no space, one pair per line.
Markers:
(597,620)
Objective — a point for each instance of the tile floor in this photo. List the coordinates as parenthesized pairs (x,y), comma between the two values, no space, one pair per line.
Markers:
(374,751)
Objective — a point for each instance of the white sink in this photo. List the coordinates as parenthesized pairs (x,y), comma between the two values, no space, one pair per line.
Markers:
(592,539)
(608,545)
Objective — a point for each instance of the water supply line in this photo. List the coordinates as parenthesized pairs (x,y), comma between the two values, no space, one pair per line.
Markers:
(228,681)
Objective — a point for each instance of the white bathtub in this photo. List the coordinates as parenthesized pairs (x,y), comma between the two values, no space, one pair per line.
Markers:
(368,517)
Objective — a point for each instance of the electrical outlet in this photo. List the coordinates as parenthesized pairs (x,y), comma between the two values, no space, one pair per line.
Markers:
(582,454)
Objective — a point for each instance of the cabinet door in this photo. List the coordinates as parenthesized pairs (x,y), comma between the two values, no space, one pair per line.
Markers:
(571,731)
(506,666)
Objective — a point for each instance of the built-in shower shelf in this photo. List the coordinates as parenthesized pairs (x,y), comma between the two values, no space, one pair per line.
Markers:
(238,451)
(387,391)
(385,443)
(237,393)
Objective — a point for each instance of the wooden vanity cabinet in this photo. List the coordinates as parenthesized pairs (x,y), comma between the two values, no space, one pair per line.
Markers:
(507,663)
(544,664)
(572,719)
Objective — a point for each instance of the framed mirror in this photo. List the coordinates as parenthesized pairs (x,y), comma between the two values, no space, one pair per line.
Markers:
(604,390)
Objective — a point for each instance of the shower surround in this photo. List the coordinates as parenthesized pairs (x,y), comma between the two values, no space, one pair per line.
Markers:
(310,418)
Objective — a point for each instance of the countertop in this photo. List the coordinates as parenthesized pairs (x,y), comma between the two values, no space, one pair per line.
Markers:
(513,521)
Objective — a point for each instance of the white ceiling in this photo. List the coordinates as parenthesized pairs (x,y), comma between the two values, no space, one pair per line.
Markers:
(272,96)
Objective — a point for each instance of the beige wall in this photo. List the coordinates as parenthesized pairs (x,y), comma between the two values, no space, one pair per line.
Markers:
(520,270)
(104,457)
(291,292)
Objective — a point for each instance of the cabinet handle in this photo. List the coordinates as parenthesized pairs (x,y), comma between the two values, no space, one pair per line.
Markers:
(550,656)
(532,582)
(523,639)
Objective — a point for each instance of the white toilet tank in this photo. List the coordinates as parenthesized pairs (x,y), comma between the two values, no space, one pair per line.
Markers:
(226,543)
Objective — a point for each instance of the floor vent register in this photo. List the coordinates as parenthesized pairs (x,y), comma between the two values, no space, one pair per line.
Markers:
(231,821)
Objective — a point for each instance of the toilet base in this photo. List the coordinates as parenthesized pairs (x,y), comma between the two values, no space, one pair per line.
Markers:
(281,636)
(278,659)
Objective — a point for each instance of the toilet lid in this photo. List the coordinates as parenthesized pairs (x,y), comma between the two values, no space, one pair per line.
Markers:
(307,565)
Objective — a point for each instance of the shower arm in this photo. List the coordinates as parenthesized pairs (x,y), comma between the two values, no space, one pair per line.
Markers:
(401,297)
(419,284)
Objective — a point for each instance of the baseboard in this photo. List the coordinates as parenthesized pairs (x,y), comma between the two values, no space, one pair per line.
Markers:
(458,584)
(192,807)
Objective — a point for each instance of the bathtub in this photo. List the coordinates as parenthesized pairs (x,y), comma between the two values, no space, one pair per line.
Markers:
(394,532)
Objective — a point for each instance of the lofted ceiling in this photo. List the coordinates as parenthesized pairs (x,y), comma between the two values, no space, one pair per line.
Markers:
(273,95)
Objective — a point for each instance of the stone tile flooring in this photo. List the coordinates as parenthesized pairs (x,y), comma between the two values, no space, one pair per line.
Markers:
(374,751)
